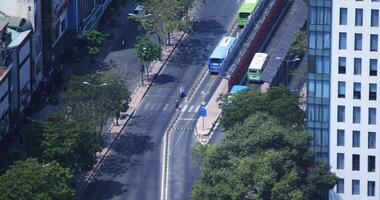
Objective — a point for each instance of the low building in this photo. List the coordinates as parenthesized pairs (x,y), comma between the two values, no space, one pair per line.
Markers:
(17,69)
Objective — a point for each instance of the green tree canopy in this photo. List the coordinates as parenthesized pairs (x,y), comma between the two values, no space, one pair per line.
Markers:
(105,95)
(261,159)
(278,102)
(30,180)
(94,39)
(167,16)
(147,50)
(72,143)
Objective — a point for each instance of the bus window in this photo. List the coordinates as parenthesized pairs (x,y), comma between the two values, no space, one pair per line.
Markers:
(215,60)
(243,15)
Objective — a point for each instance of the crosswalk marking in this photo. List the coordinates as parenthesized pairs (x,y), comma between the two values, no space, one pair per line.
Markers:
(165,107)
(184,108)
(191,108)
(146,106)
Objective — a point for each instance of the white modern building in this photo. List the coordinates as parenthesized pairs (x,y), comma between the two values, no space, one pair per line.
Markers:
(343,102)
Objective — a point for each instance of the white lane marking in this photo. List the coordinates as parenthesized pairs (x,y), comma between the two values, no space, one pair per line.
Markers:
(187,119)
(184,108)
(191,108)
(165,107)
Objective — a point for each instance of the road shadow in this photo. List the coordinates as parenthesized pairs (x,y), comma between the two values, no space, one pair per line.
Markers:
(162,79)
(95,190)
(194,51)
(208,27)
(120,161)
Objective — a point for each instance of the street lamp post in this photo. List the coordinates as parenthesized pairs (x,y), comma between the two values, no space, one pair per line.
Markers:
(287,66)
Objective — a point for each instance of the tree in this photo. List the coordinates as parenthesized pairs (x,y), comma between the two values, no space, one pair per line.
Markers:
(278,101)
(94,39)
(167,16)
(30,180)
(147,51)
(72,143)
(261,159)
(106,96)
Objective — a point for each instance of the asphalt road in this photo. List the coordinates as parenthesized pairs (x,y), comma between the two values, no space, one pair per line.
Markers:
(133,168)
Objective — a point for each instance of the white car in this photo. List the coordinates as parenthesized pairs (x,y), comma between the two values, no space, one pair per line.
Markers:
(139,12)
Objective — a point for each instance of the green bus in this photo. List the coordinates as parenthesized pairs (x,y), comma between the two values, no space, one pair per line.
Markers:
(256,67)
(245,11)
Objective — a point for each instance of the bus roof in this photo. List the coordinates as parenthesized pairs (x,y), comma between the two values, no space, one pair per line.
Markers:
(248,6)
(258,61)
(223,46)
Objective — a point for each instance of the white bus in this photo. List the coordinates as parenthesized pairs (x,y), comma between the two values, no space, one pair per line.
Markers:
(256,67)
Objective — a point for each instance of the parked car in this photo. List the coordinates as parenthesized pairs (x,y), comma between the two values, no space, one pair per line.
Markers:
(138,13)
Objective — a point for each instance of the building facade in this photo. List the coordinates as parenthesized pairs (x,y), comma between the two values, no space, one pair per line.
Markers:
(30,10)
(16,70)
(342,93)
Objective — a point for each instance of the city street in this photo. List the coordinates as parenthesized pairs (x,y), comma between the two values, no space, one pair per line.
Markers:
(132,170)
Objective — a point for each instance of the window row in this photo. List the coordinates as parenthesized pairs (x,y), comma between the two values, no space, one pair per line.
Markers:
(356,113)
(359,17)
(356,135)
(355,189)
(358,41)
(371,162)
(372,64)
(357,88)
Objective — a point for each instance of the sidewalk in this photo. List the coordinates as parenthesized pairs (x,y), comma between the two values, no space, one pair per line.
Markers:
(136,97)
(205,126)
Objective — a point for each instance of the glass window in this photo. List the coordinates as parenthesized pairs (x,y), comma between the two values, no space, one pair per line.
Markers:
(357,90)
(374,42)
(340,186)
(343,16)
(355,138)
(311,88)
(340,139)
(340,161)
(357,66)
(358,41)
(371,163)
(358,17)
(371,115)
(356,115)
(325,137)
(372,91)
(355,162)
(342,65)
(371,188)
(374,18)
(371,140)
(317,137)
(341,89)
(342,40)
(355,187)
(341,113)
(373,67)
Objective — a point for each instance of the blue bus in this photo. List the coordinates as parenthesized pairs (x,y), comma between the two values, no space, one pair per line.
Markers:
(216,60)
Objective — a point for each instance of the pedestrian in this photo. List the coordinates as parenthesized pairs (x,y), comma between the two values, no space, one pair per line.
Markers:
(181,92)
(123,42)
(177,103)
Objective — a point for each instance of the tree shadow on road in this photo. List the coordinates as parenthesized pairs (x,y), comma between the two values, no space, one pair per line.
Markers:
(95,190)
(208,26)
(120,160)
(162,79)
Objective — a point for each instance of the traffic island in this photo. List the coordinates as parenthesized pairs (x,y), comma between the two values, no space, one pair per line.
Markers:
(209,118)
